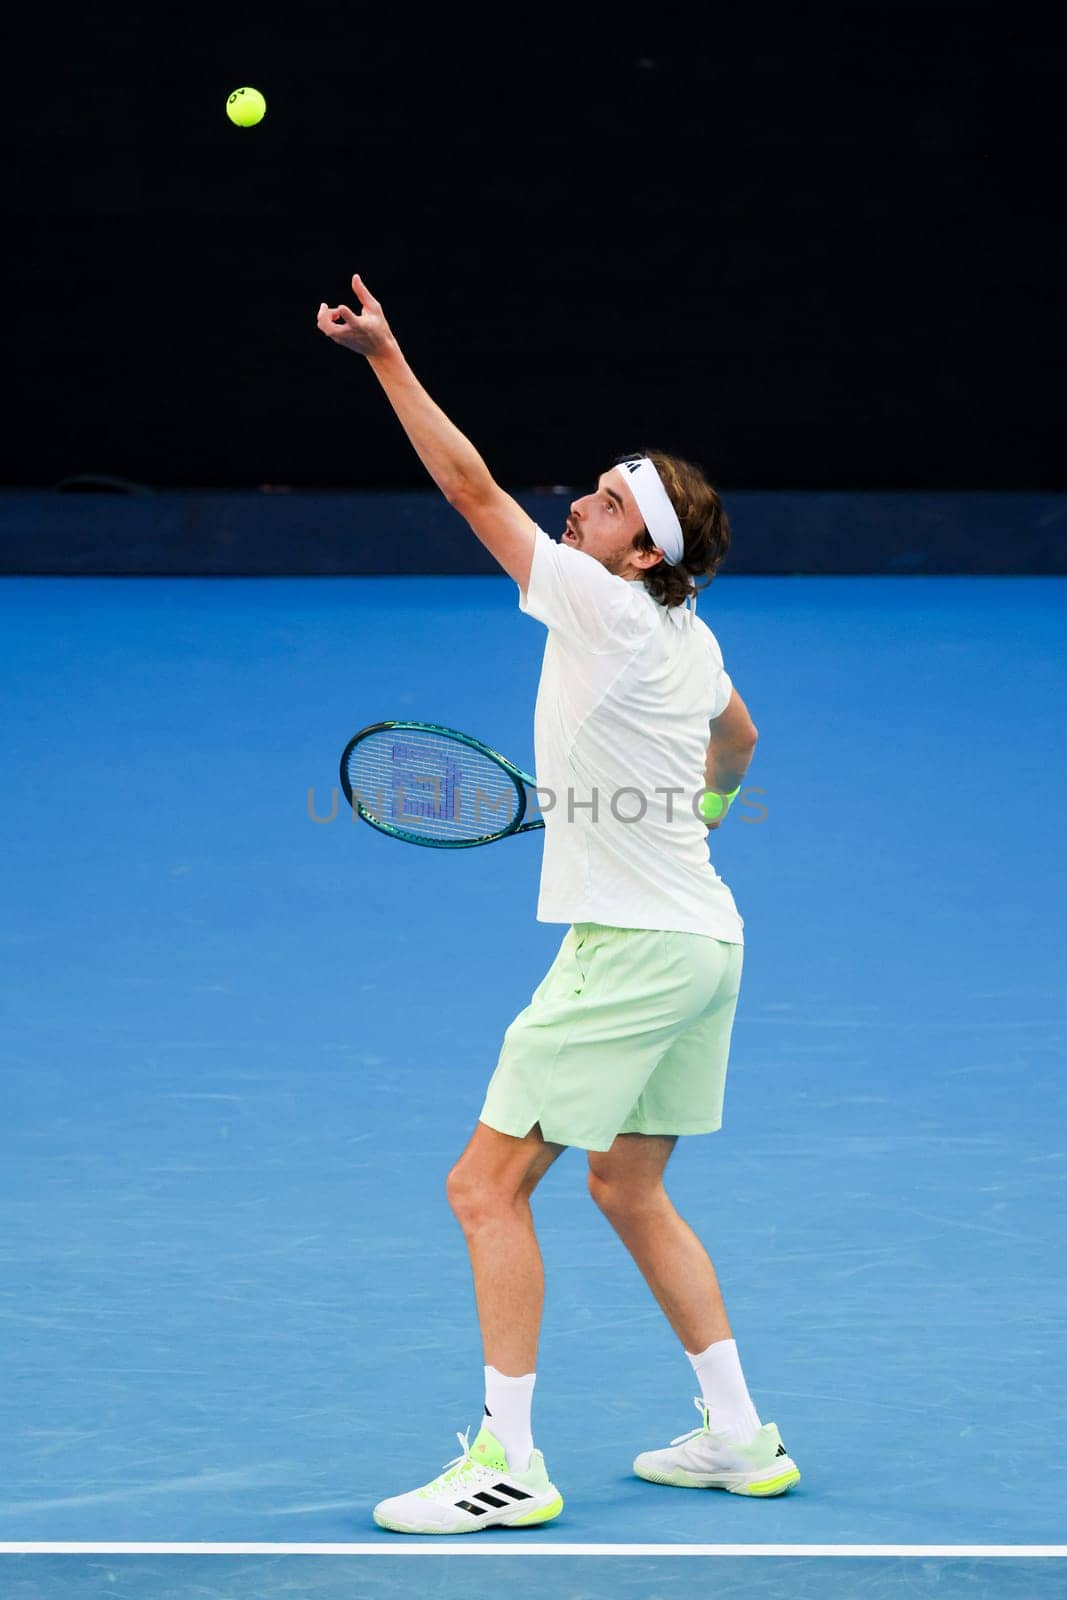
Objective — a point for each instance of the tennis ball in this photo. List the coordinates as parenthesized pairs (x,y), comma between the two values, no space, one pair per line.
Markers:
(712,806)
(246,107)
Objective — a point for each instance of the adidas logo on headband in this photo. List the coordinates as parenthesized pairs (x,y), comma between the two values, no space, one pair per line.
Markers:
(654,504)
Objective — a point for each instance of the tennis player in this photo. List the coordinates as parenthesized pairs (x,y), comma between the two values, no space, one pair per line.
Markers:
(642,742)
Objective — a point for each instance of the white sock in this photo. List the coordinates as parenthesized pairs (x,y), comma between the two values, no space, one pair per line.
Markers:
(508,1402)
(725,1392)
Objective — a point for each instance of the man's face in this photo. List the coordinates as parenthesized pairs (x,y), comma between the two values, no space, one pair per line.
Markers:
(604,525)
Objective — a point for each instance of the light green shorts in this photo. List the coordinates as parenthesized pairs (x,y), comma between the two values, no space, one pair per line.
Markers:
(628,1032)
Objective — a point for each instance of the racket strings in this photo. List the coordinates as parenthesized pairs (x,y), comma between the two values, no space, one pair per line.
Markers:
(430,786)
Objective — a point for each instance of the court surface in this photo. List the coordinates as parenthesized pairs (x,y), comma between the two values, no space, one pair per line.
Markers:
(241,1048)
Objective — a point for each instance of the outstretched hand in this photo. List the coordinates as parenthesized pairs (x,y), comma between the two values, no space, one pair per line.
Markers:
(366,331)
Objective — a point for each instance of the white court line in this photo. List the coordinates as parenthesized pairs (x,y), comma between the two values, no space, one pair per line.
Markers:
(445,1546)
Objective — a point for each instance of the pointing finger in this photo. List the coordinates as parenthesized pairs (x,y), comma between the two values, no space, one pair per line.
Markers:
(364,294)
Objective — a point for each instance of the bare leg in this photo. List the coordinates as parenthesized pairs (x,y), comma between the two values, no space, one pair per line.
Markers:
(627,1184)
(489,1190)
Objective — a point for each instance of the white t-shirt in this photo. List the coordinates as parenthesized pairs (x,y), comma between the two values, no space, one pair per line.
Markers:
(627,689)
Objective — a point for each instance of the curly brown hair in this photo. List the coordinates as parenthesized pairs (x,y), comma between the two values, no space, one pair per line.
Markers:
(705,528)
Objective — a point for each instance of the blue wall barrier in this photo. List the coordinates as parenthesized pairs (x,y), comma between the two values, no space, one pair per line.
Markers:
(140,531)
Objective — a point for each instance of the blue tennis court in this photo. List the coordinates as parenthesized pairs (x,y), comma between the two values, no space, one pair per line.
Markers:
(243,1043)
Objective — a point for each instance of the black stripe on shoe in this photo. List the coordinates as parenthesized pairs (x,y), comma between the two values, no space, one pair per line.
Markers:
(509,1488)
(466,1505)
(490,1499)
(781,1451)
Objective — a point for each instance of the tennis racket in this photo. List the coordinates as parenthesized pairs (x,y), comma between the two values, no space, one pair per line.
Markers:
(430,785)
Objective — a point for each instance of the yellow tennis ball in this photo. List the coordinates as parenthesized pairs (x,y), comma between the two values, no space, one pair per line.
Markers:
(246,107)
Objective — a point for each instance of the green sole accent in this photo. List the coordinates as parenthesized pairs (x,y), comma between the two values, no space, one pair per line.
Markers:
(398,1527)
(685,1480)
(674,1480)
(545,1514)
(772,1485)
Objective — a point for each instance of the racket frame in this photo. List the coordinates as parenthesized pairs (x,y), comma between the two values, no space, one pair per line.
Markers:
(521,780)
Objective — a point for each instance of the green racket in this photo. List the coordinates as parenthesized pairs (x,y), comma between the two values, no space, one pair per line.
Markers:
(430,785)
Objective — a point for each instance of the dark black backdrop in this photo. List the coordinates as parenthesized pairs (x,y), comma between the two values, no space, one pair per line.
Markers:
(806,246)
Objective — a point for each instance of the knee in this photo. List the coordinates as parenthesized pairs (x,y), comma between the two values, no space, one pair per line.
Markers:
(622,1199)
(472,1198)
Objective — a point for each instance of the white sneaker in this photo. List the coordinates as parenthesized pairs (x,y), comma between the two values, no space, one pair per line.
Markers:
(705,1460)
(477,1490)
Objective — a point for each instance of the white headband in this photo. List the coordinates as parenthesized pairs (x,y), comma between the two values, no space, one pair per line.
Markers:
(653,502)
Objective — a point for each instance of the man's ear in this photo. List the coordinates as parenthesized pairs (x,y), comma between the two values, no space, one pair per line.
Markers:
(648,558)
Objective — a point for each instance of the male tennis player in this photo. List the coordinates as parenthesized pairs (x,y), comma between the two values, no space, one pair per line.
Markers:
(624,1044)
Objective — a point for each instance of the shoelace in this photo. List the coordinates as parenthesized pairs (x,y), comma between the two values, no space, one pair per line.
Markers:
(455,1467)
(683,1438)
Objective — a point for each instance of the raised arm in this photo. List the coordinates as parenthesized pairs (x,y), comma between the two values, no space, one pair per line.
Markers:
(453,463)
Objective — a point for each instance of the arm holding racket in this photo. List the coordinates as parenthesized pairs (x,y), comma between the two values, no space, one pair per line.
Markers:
(453,463)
